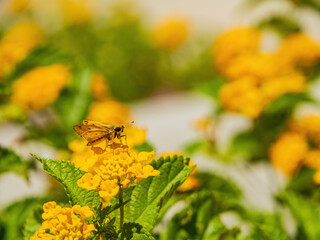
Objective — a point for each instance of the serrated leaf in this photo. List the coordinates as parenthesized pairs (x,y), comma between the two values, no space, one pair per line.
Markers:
(72,105)
(11,162)
(151,194)
(305,212)
(66,173)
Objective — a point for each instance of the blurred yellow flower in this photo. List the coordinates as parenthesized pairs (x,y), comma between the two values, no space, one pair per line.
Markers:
(16,6)
(243,96)
(40,86)
(233,43)
(76,11)
(99,87)
(109,111)
(312,159)
(64,222)
(171,32)
(288,152)
(18,41)
(309,126)
(275,87)
(258,66)
(104,170)
(299,50)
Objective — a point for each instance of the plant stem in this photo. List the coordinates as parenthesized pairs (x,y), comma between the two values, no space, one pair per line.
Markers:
(122,207)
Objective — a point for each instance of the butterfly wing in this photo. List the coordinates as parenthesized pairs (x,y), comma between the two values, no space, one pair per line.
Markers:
(92,133)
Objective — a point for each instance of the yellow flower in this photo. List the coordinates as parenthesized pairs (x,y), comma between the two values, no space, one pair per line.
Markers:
(99,88)
(288,152)
(64,223)
(312,159)
(76,11)
(17,6)
(171,32)
(104,170)
(274,87)
(309,126)
(257,65)
(233,43)
(109,111)
(17,43)
(243,96)
(40,86)
(316,177)
(299,50)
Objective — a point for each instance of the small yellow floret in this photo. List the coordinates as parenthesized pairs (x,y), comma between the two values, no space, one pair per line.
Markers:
(99,87)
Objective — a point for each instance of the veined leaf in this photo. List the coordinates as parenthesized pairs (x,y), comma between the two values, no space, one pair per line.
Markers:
(10,161)
(66,173)
(151,194)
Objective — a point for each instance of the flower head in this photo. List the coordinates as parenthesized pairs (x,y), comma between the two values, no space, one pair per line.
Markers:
(99,88)
(233,43)
(64,222)
(40,86)
(288,152)
(171,32)
(114,167)
(109,111)
(299,50)
(14,47)
(243,96)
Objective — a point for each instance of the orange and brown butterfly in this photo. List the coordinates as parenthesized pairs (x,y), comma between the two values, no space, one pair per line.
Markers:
(96,132)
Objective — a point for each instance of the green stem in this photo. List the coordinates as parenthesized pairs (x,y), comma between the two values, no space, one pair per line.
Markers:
(121,208)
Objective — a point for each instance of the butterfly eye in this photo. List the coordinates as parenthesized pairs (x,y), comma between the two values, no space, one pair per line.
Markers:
(117,129)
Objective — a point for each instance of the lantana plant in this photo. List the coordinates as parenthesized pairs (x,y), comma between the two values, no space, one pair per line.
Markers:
(116,193)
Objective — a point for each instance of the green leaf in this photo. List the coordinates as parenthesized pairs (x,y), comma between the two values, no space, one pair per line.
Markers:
(73,103)
(11,162)
(14,216)
(194,146)
(281,25)
(305,212)
(33,222)
(145,147)
(66,173)
(151,194)
(212,88)
(286,103)
(221,187)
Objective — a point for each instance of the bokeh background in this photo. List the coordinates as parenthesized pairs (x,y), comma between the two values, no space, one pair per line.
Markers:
(157,59)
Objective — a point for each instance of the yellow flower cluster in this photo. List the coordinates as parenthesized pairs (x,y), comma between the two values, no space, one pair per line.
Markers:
(257,78)
(191,182)
(106,171)
(18,41)
(108,111)
(292,150)
(64,223)
(99,87)
(171,32)
(40,86)
(76,11)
